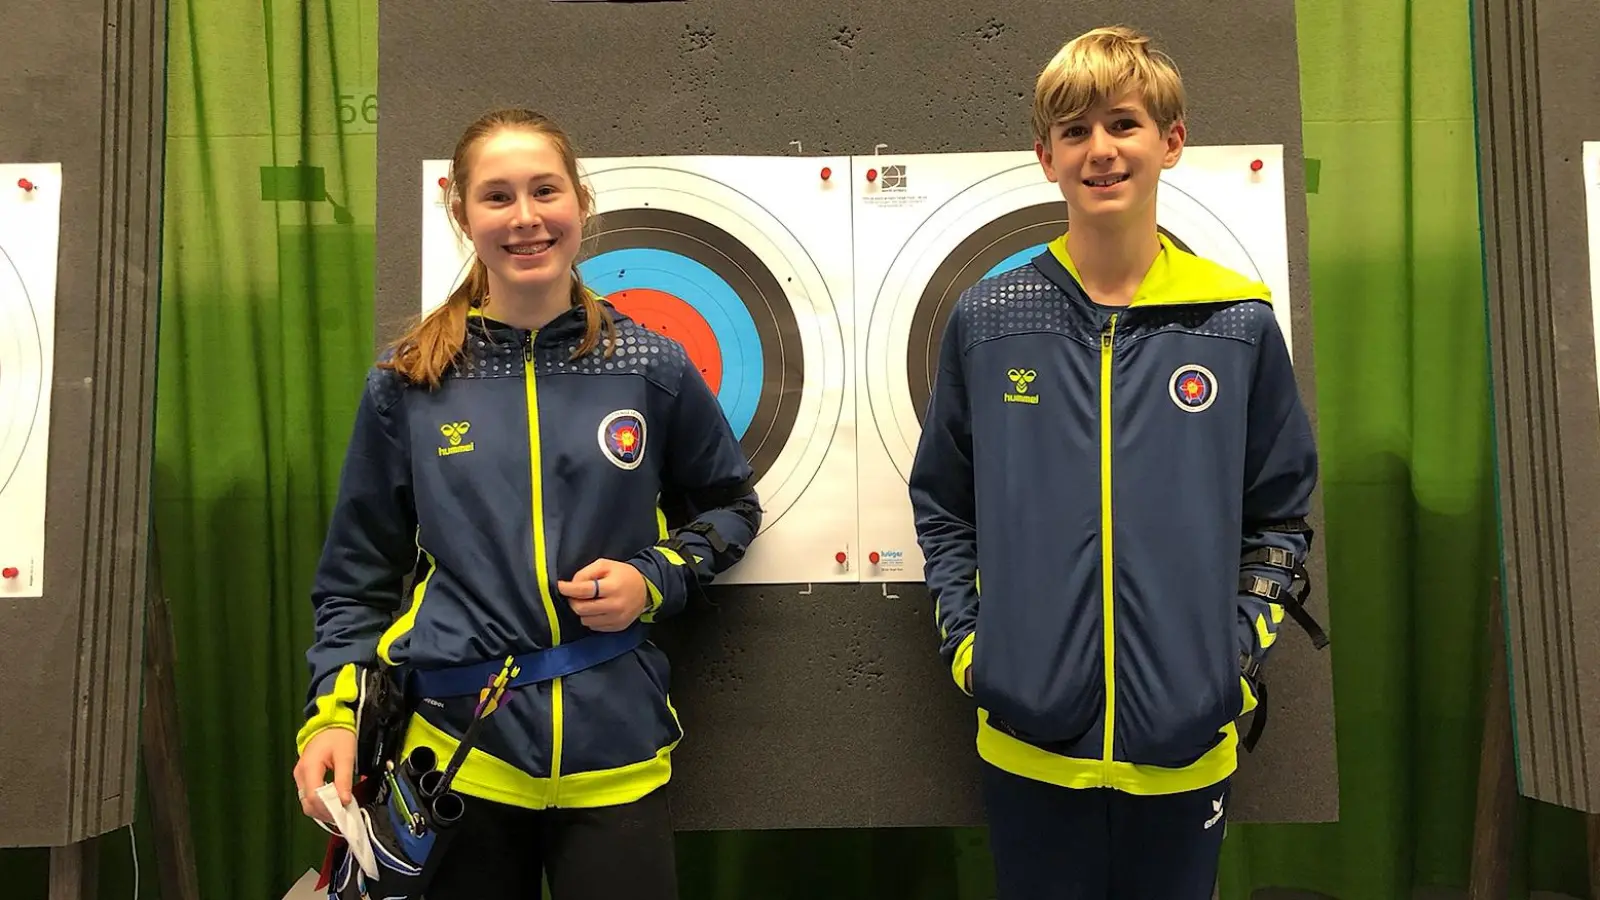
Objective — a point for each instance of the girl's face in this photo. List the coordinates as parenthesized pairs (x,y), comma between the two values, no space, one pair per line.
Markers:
(523,213)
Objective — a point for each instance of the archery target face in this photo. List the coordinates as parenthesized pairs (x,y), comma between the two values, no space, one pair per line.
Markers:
(1591,187)
(695,259)
(1020,213)
(30,240)
(21,368)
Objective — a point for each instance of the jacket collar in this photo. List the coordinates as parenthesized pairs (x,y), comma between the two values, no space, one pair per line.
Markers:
(1175,278)
(568,325)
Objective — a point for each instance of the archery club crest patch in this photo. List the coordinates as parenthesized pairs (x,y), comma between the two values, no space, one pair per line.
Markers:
(622,436)
(1192,387)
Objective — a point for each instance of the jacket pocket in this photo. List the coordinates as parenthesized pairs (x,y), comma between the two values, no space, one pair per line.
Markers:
(657,668)
(1176,689)
(1018,680)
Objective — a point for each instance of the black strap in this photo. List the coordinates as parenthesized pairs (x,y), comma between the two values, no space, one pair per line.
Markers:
(1277,557)
(709,532)
(1258,716)
(1292,599)
(1292,602)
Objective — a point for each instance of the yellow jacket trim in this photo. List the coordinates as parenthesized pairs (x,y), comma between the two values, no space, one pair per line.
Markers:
(403,625)
(541,569)
(654,603)
(1021,758)
(334,709)
(1108,559)
(963,662)
(491,778)
(1266,635)
(1176,277)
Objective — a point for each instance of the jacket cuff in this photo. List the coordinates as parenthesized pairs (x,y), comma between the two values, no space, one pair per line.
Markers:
(962,664)
(664,573)
(1249,695)
(334,709)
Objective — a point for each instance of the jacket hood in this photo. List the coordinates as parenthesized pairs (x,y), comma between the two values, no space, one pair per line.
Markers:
(1177,277)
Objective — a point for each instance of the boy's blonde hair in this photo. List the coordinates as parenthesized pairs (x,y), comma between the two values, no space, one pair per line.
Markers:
(1101,65)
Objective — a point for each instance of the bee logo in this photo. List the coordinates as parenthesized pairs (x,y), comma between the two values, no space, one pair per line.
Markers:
(455,432)
(1020,380)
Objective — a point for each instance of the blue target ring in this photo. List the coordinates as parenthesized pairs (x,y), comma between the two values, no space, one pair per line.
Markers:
(1016,260)
(682,267)
(711,297)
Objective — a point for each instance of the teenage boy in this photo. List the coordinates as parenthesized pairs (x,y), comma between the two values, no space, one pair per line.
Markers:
(1115,439)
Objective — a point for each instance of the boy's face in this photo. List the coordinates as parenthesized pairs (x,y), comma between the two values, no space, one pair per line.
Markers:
(1109,161)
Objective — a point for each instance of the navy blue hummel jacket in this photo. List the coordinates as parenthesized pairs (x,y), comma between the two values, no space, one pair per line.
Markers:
(1112,472)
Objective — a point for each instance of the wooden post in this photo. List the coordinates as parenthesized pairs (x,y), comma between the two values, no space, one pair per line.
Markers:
(163,757)
(1593,825)
(75,870)
(1494,823)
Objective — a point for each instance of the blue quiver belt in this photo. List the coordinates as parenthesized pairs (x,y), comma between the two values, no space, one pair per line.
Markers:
(408,810)
(408,824)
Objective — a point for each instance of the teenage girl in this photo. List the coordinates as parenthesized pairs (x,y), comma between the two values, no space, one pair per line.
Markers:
(516,452)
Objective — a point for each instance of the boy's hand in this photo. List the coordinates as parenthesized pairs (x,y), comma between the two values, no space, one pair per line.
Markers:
(607,595)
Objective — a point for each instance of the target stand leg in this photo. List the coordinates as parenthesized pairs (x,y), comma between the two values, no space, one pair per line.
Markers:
(75,871)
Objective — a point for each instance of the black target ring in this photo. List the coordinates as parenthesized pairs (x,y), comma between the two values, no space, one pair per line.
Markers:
(782,356)
(963,267)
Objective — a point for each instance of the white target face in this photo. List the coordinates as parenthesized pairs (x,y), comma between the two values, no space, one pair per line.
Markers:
(692,257)
(999,223)
(30,207)
(1591,188)
(685,247)
(21,368)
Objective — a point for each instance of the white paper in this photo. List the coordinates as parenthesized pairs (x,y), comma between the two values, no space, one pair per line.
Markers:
(352,825)
(789,222)
(1591,186)
(30,235)
(306,887)
(446,253)
(922,208)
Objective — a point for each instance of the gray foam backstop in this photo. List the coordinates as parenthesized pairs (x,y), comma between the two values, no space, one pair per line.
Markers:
(831,708)
(83,83)
(1537,73)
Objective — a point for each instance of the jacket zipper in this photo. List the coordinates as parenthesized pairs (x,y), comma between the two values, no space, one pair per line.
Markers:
(1107,584)
(540,564)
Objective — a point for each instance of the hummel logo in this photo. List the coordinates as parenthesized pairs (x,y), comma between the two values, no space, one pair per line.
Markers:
(1020,379)
(1216,812)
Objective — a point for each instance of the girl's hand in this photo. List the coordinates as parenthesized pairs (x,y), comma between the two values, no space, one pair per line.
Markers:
(607,595)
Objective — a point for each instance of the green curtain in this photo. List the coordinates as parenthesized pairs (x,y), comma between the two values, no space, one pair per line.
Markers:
(266,333)
(1406,434)
(267,328)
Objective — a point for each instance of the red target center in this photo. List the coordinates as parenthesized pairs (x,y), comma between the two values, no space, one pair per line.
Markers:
(670,316)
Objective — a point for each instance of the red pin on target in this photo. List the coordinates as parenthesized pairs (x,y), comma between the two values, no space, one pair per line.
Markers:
(26,185)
